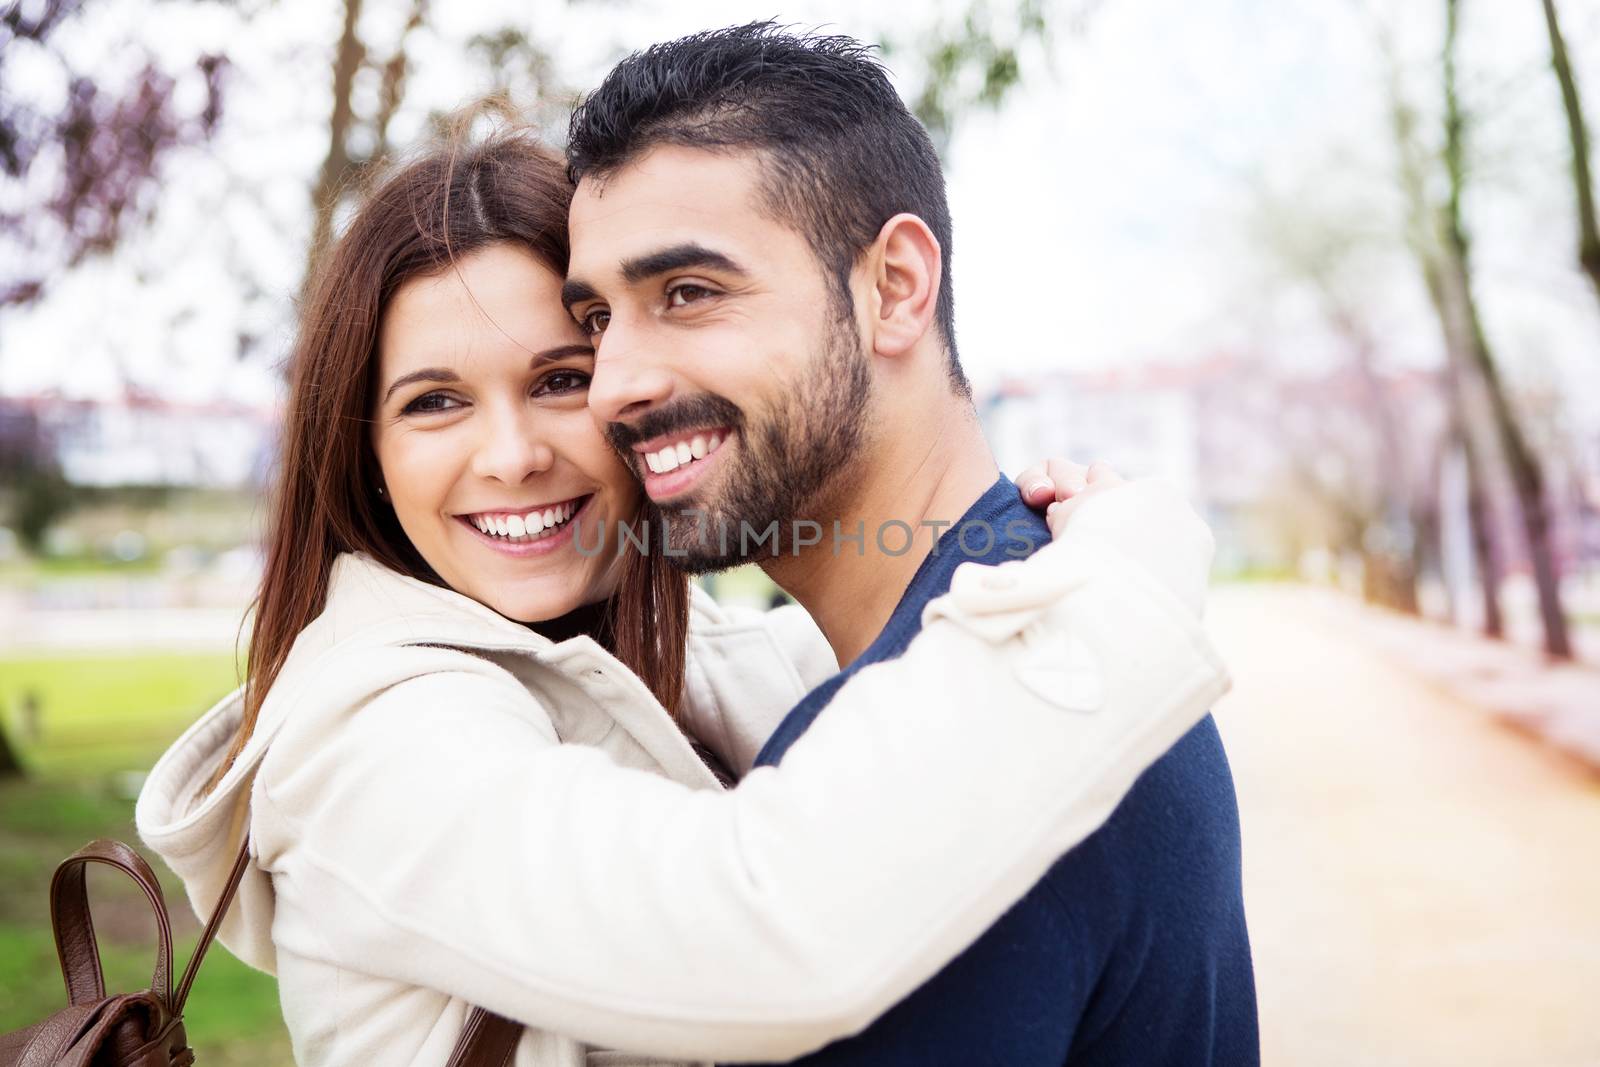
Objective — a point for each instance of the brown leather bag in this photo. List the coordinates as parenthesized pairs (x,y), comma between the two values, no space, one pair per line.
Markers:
(145,1029)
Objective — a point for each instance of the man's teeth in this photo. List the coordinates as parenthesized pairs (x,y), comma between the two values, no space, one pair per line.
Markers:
(684,452)
(526,525)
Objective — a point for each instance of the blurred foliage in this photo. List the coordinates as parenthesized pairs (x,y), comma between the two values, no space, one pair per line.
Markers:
(36,493)
(85,169)
(975,61)
(38,497)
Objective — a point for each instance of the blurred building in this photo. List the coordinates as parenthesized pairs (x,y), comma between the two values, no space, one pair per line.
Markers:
(1192,423)
(1284,464)
(140,439)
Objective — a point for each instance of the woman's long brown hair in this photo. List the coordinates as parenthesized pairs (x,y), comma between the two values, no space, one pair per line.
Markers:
(460,196)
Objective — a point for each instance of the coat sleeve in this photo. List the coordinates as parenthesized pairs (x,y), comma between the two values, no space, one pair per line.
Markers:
(1137,517)
(444,841)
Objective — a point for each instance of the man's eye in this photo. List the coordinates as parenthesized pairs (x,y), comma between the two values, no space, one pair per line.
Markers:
(595,322)
(430,402)
(562,381)
(680,295)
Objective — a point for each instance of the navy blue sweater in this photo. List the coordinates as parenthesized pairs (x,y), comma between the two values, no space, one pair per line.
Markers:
(1132,950)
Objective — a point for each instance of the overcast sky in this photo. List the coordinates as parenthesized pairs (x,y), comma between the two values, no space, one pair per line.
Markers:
(1102,218)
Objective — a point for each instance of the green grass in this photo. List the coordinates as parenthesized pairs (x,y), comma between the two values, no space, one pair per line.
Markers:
(1255,575)
(105,713)
(103,716)
(46,568)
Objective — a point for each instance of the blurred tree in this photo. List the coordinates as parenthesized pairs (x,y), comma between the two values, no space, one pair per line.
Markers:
(35,492)
(1464,320)
(1578,134)
(40,495)
(344,161)
(83,171)
(1464,431)
(1376,515)
(10,765)
(520,73)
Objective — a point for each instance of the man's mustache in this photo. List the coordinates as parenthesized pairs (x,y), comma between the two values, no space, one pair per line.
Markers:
(689,413)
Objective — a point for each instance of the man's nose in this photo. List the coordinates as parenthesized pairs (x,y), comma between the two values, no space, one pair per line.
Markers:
(628,380)
(510,448)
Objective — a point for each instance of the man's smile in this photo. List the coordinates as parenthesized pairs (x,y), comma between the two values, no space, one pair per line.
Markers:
(674,463)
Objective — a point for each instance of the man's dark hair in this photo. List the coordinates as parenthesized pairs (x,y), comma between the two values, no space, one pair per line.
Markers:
(841,153)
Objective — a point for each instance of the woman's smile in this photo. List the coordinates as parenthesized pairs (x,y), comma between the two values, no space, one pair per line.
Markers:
(527,531)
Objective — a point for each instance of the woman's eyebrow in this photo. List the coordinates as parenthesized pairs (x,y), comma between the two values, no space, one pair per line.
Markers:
(426,374)
(551,355)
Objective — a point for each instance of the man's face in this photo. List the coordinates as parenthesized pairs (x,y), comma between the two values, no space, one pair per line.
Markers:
(727,373)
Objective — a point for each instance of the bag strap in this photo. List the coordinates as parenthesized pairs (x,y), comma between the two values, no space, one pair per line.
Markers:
(212,924)
(74,929)
(487,1040)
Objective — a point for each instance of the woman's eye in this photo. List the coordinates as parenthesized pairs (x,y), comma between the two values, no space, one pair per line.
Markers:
(680,295)
(430,402)
(563,381)
(595,322)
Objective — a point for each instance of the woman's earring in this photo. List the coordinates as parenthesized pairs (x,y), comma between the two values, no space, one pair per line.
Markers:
(380,490)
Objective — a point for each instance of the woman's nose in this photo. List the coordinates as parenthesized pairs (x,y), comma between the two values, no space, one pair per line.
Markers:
(510,450)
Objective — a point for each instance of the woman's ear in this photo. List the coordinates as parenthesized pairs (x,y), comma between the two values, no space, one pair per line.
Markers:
(909,271)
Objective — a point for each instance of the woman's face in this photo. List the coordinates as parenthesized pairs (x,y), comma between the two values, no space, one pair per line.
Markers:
(485,441)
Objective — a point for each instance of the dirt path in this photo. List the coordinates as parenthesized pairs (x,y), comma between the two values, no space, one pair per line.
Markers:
(1423,885)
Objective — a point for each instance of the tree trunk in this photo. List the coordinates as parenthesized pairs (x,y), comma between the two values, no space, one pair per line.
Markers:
(1578,133)
(10,765)
(392,89)
(1467,419)
(1526,477)
(1479,520)
(1427,550)
(336,166)
(1400,569)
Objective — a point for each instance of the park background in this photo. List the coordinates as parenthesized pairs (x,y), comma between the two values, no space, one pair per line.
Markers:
(1319,262)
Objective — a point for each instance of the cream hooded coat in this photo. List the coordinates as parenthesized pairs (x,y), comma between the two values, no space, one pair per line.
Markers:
(447,809)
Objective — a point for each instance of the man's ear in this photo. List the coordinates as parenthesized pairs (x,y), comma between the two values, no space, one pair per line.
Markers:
(908,266)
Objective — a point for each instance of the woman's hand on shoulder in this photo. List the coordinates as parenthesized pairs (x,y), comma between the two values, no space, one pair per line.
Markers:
(1148,520)
(1058,486)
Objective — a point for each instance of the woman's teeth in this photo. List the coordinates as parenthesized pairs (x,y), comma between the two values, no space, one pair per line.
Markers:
(683,453)
(524,526)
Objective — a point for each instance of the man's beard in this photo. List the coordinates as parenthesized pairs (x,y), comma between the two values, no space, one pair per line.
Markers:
(804,454)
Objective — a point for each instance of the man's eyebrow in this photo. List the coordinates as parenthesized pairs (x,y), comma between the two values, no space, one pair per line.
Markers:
(574,291)
(445,376)
(676,257)
(636,270)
